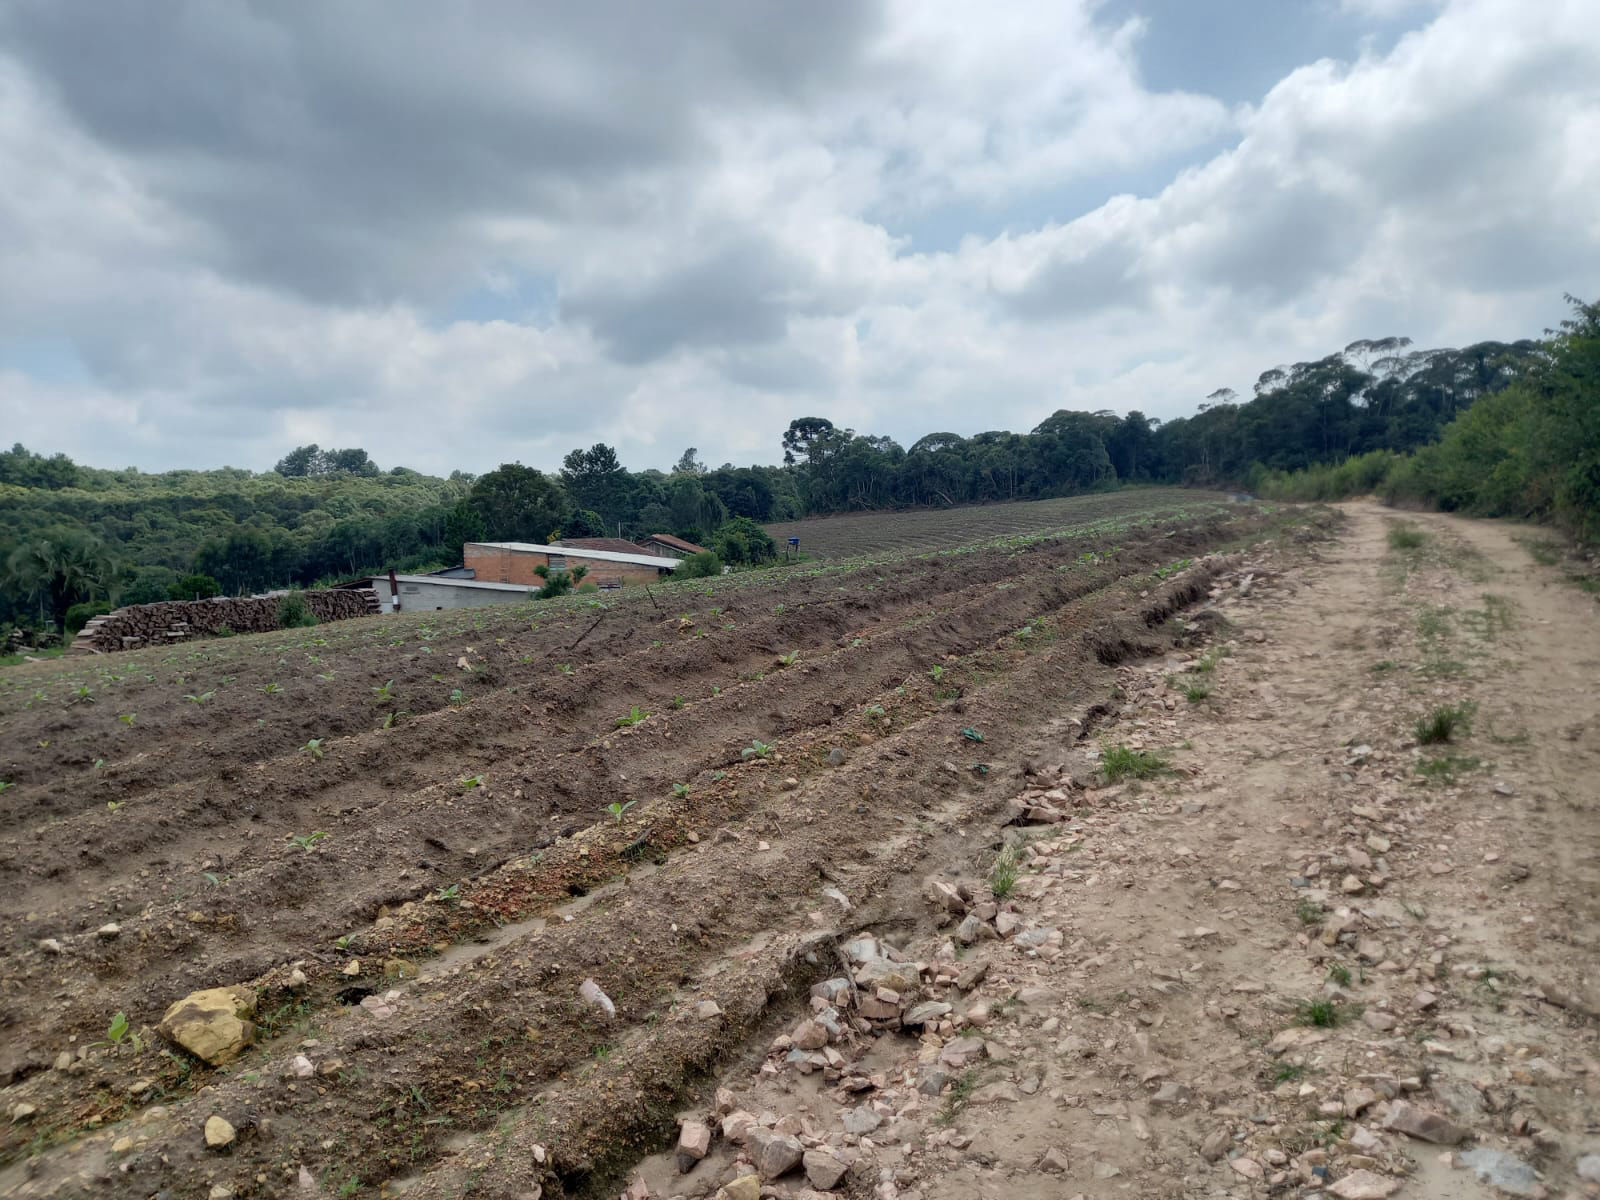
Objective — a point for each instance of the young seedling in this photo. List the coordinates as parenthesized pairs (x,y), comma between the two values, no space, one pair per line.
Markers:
(564,668)
(677,702)
(756,749)
(306,841)
(127,718)
(789,659)
(472,781)
(446,894)
(390,720)
(384,694)
(6,785)
(617,809)
(634,717)
(272,689)
(680,790)
(83,695)
(113,805)
(313,748)
(200,699)
(936,673)
(457,696)
(874,712)
(972,735)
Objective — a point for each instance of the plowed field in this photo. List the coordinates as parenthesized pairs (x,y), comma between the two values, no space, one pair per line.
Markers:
(415,837)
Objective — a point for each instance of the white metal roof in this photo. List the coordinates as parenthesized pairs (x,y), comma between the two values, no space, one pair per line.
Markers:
(643,560)
(446,581)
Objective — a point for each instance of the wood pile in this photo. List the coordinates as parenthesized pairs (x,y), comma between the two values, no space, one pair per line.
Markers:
(169,621)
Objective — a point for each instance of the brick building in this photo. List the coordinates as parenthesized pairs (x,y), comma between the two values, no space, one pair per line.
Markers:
(513,562)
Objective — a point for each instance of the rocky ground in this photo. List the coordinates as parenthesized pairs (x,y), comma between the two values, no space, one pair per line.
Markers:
(1305,955)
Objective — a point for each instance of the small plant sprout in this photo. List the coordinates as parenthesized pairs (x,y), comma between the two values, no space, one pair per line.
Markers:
(756,749)
(936,672)
(113,805)
(635,716)
(677,702)
(472,781)
(616,809)
(127,718)
(789,659)
(564,668)
(313,748)
(972,735)
(119,1031)
(83,695)
(306,841)
(391,719)
(680,790)
(1195,690)
(385,693)
(199,699)
(874,712)
(446,894)
(1339,974)
(6,785)
(272,689)
(1003,875)
(457,696)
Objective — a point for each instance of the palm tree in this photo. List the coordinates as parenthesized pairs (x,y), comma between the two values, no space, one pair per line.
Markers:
(58,567)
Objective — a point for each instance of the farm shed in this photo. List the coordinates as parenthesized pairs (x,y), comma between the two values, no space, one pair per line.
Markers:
(665,543)
(513,562)
(425,593)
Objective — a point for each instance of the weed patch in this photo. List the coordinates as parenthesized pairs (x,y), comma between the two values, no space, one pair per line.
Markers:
(1123,762)
(1444,724)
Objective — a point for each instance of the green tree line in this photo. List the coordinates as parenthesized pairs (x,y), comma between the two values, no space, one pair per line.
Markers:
(74,534)
(1530,450)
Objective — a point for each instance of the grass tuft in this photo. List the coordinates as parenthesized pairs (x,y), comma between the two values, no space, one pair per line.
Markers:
(1406,537)
(1003,875)
(1322,1013)
(1123,762)
(1444,724)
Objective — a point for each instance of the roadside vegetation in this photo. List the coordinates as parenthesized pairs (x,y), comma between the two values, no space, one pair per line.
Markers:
(1529,450)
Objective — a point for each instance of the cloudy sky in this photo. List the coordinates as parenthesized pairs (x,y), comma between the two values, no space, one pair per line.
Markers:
(461,234)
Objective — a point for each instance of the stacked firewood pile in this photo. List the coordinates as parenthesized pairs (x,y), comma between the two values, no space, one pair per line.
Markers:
(169,621)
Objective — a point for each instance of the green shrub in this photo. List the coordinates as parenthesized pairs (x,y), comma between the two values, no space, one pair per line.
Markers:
(558,582)
(78,615)
(294,612)
(699,566)
(195,587)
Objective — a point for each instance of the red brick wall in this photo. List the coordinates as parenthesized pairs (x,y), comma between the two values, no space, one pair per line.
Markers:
(494,565)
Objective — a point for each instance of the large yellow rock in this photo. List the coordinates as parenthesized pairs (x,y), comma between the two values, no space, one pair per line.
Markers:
(213,1024)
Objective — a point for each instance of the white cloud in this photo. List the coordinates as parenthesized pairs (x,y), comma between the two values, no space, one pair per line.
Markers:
(717,231)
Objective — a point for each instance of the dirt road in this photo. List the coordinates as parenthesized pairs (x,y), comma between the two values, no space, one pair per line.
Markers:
(1261,974)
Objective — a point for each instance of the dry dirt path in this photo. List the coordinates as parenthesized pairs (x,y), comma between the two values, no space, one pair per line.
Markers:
(1317,958)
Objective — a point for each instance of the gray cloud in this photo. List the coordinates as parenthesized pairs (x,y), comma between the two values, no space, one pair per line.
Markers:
(234,226)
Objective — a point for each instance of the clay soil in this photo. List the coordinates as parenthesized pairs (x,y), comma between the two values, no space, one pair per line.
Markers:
(815,750)
(458,796)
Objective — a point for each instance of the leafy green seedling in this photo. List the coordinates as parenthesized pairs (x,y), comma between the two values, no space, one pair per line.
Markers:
(385,693)
(313,748)
(472,781)
(756,749)
(272,689)
(306,841)
(972,735)
(127,718)
(790,658)
(616,810)
(635,715)
(680,790)
(113,805)
(453,892)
